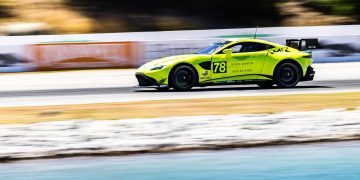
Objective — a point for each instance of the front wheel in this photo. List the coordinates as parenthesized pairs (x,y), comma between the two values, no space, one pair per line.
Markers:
(183,78)
(287,75)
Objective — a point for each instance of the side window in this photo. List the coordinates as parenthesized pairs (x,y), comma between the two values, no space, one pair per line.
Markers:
(269,46)
(253,47)
(236,48)
(249,47)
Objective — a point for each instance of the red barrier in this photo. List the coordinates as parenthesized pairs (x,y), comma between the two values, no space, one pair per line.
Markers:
(85,55)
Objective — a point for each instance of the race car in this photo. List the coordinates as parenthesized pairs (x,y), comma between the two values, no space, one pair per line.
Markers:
(241,61)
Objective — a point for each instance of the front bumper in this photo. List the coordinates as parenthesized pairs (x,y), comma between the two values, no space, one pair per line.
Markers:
(309,76)
(146,80)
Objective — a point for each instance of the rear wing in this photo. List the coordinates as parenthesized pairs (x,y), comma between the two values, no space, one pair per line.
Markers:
(302,44)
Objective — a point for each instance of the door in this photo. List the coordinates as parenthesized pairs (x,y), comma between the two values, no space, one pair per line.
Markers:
(245,62)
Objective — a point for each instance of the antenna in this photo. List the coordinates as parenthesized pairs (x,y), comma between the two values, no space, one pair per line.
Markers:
(256,31)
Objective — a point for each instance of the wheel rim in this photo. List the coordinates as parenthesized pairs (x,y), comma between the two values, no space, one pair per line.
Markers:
(183,78)
(288,75)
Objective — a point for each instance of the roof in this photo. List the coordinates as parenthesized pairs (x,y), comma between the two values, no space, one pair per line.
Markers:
(253,40)
(248,40)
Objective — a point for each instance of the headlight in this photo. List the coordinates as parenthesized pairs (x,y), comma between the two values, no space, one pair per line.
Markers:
(157,67)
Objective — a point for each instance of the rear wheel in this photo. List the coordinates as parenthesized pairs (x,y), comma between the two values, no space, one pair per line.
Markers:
(183,78)
(265,84)
(287,75)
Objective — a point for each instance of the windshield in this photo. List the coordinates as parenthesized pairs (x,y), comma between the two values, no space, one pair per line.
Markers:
(212,48)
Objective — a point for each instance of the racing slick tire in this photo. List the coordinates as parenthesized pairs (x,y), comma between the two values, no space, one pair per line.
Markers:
(265,84)
(287,75)
(183,78)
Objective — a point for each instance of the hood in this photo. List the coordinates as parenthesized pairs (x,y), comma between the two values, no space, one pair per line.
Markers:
(172,58)
(166,61)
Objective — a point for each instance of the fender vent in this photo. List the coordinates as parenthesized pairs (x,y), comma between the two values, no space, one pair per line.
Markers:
(206,65)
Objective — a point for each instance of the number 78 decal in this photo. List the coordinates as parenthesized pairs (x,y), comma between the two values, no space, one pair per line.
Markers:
(219,67)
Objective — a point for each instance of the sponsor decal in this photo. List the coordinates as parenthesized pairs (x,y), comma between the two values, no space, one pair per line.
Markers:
(242,71)
(205,75)
(242,57)
(242,63)
(284,49)
(219,67)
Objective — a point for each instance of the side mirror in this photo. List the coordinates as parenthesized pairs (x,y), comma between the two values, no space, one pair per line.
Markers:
(228,52)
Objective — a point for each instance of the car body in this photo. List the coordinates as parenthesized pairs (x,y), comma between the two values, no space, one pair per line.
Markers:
(240,61)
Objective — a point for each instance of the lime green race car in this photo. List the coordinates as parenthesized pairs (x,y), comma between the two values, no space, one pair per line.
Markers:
(244,61)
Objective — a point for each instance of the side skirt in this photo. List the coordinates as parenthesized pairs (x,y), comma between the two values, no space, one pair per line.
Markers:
(242,82)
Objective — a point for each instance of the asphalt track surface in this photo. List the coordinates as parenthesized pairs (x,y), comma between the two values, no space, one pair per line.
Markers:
(310,86)
(123,94)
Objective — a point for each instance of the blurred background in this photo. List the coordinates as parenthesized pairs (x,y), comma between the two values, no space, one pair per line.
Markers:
(86,16)
(112,38)
(145,30)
